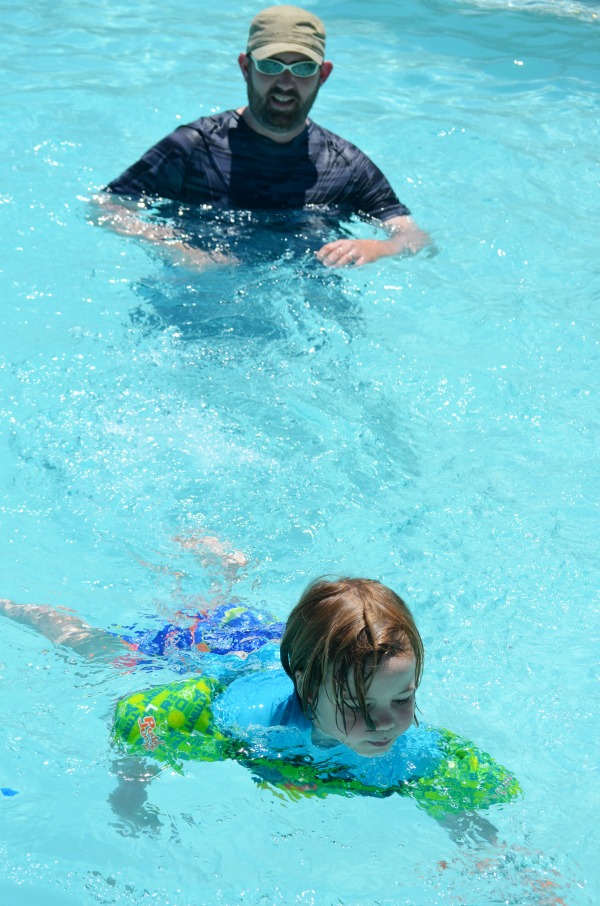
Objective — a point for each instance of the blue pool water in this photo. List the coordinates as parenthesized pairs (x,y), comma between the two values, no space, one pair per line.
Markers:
(431,422)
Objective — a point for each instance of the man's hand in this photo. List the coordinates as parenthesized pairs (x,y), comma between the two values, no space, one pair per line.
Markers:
(405,238)
(351,252)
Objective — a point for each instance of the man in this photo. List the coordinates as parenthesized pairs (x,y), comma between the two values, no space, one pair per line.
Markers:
(269,155)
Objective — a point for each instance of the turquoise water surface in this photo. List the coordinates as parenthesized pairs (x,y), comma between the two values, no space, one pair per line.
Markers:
(432,422)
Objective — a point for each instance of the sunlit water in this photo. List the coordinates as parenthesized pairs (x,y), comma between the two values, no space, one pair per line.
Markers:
(432,422)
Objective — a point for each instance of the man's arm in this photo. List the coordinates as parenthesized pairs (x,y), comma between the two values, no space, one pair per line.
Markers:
(405,238)
(123,218)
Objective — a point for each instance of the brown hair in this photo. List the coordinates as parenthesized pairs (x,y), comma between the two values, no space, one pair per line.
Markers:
(340,630)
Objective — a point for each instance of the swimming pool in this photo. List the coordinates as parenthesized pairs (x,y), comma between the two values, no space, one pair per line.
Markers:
(432,422)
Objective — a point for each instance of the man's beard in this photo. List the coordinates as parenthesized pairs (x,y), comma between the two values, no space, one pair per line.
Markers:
(279,120)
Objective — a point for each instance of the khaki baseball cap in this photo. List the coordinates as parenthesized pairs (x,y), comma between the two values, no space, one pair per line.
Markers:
(286,29)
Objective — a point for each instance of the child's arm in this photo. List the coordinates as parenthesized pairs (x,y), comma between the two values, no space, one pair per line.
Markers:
(64,628)
(469,827)
(129,799)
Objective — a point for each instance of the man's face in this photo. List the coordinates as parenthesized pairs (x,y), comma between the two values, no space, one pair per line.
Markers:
(281,103)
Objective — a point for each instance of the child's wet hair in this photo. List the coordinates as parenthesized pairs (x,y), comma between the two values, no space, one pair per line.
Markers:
(339,632)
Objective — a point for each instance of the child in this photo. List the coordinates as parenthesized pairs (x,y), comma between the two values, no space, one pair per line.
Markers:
(341,719)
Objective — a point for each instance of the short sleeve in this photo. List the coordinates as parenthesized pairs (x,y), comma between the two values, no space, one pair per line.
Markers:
(161,171)
(252,701)
(375,196)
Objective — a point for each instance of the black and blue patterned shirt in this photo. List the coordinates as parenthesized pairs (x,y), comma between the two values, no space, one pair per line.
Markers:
(220,161)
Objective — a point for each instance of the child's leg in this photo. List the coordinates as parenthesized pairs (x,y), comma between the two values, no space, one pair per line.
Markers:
(64,628)
(222,562)
(218,558)
(222,550)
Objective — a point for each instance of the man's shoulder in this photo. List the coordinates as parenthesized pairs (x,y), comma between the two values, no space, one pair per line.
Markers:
(323,137)
(213,131)
(214,124)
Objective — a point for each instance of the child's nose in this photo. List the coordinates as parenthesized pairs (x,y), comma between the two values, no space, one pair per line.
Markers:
(382,718)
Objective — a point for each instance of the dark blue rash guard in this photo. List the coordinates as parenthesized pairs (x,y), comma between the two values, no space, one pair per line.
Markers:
(220,161)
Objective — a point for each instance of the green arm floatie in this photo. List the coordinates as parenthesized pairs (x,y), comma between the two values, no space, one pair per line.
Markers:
(175,723)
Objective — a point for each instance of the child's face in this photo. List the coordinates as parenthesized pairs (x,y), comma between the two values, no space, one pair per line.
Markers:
(391,706)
